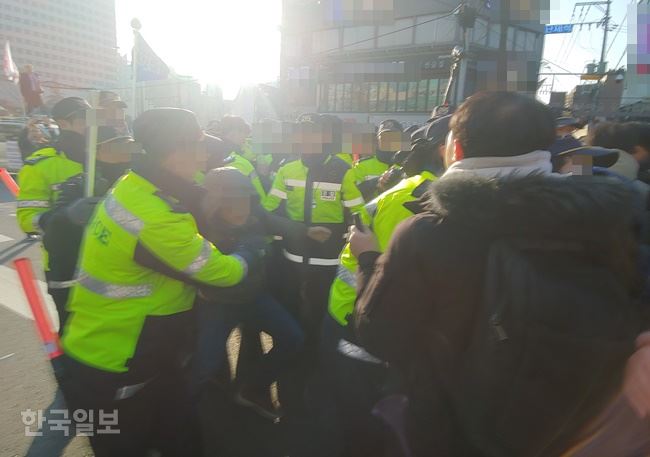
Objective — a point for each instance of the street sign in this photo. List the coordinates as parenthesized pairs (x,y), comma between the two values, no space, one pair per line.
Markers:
(558,28)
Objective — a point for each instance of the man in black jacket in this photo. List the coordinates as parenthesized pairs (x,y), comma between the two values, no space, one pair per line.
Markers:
(419,305)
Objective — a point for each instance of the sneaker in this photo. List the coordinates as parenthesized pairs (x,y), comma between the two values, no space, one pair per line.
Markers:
(259,403)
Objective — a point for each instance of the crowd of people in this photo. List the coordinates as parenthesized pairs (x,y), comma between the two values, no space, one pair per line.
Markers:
(479,289)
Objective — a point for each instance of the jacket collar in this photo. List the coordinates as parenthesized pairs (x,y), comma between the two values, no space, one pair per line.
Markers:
(536,162)
(583,208)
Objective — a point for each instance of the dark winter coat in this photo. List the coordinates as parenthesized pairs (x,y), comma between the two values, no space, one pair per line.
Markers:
(418,303)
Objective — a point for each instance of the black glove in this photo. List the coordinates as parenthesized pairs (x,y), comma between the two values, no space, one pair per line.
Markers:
(253,250)
(70,190)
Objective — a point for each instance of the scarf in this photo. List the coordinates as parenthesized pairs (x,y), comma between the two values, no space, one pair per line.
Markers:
(533,163)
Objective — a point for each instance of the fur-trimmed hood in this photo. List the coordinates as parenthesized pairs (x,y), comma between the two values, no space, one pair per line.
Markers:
(581,207)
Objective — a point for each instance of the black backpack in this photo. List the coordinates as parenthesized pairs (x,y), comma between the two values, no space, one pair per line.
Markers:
(548,348)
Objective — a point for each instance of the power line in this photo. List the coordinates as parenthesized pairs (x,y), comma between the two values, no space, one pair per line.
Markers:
(619,60)
(560,67)
(581,18)
(618,30)
(451,13)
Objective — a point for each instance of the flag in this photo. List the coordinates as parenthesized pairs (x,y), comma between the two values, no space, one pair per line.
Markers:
(149,66)
(9,68)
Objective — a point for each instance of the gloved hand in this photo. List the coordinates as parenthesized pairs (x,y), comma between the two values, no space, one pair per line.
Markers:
(253,250)
(319,234)
(70,190)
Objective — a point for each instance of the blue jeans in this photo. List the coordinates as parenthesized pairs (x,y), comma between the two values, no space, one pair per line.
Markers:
(215,322)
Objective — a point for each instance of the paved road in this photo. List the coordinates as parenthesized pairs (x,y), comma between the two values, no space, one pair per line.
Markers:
(26,381)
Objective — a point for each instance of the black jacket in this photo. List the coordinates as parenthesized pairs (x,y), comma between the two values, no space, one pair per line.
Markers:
(418,303)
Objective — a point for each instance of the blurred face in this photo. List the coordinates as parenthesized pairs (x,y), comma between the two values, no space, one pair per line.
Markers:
(235,210)
(74,123)
(239,136)
(390,141)
(187,161)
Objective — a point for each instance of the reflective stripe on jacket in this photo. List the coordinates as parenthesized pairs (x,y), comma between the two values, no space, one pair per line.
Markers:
(115,297)
(323,196)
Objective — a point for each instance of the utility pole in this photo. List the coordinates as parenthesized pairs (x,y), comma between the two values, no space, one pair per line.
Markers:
(606,19)
(136,26)
(466,20)
(502,63)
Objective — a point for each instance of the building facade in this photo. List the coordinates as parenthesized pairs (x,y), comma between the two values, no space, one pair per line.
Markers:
(397,64)
(69,42)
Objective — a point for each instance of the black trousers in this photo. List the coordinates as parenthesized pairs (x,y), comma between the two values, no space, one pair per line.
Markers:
(60,297)
(347,391)
(305,294)
(158,416)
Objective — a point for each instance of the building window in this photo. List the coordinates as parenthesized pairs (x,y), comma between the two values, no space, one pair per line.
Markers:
(520,40)
(364,93)
(422,95)
(353,35)
(426,32)
(480,32)
(401,38)
(412,96)
(382,96)
(531,40)
(347,97)
(338,106)
(391,97)
(446,30)
(402,89)
(433,94)
(373,91)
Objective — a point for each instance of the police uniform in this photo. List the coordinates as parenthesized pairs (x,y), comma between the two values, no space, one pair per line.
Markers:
(41,178)
(368,170)
(354,377)
(130,327)
(324,195)
(346,157)
(245,167)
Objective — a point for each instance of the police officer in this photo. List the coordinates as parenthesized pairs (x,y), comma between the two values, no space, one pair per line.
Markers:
(114,109)
(368,170)
(337,138)
(46,169)
(235,132)
(317,189)
(354,377)
(65,222)
(129,330)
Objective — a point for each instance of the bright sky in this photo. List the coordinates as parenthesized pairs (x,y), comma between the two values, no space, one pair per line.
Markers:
(237,42)
(224,42)
(573,51)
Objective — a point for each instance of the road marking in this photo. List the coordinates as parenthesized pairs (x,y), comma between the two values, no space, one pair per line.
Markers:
(13,296)
(5,238)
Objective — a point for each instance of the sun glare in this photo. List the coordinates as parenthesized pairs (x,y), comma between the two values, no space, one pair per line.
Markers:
(223,42)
